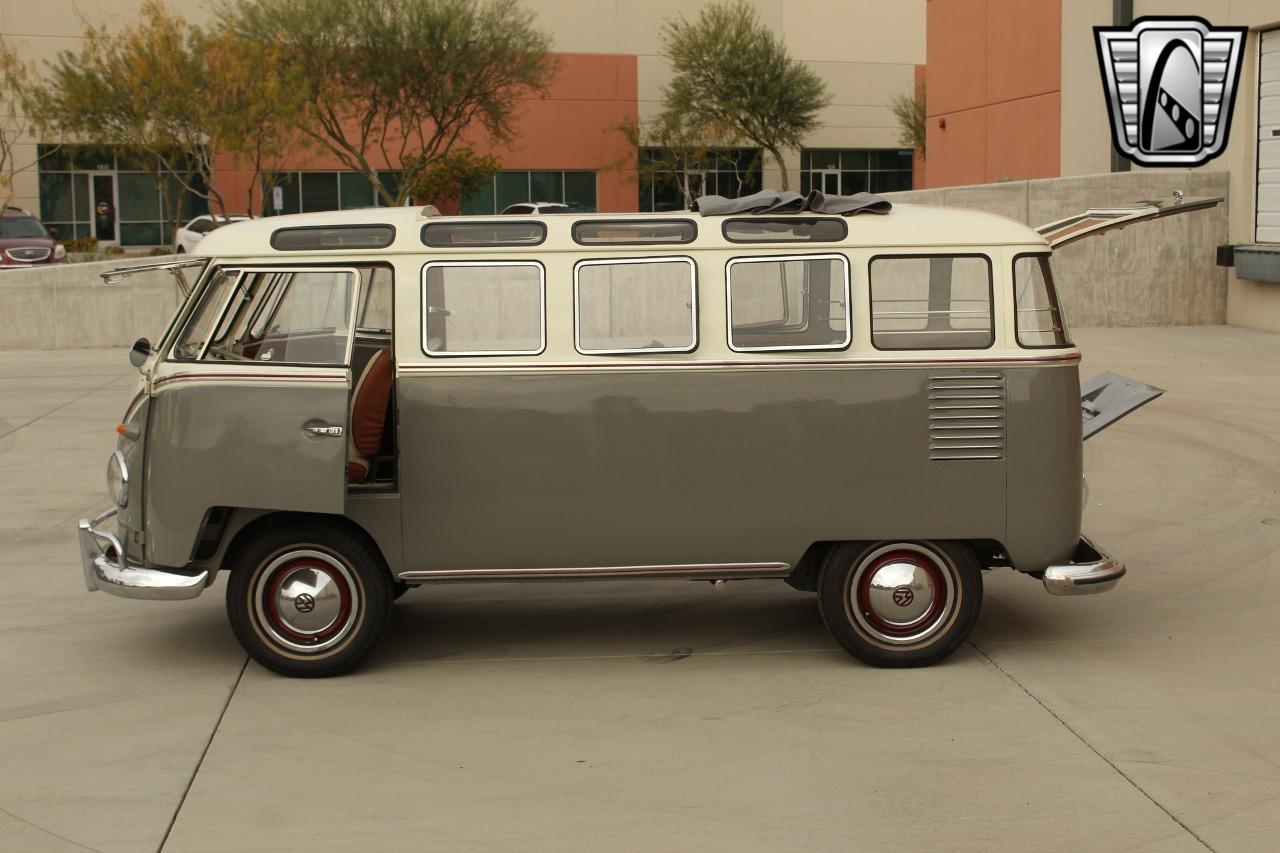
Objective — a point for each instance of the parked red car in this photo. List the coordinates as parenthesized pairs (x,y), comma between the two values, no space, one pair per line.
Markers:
(24,242)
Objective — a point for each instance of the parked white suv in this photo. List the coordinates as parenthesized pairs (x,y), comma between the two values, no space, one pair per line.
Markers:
(188,235)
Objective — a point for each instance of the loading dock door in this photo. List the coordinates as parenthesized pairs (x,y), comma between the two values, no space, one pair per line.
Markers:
(1268,230)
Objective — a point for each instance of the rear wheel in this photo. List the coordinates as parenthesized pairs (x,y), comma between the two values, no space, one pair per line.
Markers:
(308,600)
(897,604)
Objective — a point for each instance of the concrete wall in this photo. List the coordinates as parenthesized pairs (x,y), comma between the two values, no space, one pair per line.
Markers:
(69,307)
(1160,273)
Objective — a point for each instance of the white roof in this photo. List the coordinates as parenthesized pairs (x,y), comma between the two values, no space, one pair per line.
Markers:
(906,226)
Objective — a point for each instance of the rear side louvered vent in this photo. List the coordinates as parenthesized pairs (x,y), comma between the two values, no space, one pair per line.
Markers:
(966,416)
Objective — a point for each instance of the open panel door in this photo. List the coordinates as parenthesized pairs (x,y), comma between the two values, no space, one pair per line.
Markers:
(1097,220)
(1108,397)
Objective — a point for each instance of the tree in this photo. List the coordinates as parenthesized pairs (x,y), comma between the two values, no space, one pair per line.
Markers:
(677,147)
(396,83)
(909,111)
(178,93)
(16,80)
(732,72)
(255,105)
(451,177)
(140,87)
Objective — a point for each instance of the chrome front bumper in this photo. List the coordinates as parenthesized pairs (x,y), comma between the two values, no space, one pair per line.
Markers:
(106,568)
(1091,570)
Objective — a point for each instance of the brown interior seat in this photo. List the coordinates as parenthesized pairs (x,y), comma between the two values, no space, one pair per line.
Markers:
(368,416)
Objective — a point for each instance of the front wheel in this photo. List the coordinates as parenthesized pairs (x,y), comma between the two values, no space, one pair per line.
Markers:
(308,600)
(897,604)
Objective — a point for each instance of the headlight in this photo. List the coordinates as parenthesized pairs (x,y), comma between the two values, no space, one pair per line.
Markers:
(59,252)
(118,479)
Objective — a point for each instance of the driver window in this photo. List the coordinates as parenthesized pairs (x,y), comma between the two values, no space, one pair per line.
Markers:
(289,317)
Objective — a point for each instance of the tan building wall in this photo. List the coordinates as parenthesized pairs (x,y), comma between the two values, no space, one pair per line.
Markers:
(1085,131)
(993,90)
(866,51)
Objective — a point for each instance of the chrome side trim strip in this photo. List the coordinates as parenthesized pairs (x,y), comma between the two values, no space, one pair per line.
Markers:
(263,376)
(641,364)
(721,571)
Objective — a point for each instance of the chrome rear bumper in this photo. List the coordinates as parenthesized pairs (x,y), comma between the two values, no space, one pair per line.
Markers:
(106,568)
(1091,570)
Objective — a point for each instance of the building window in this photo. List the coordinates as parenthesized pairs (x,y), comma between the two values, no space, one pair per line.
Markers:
(311,192)
(112,194)
(855,170)
(670,182)
(576,189)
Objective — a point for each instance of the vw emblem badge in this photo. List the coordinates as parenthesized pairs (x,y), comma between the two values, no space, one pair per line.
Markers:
(305,602)
(903,596)
(1170,85)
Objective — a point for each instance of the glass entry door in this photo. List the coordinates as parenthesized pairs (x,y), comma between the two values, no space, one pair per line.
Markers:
(103,209)
(830,182)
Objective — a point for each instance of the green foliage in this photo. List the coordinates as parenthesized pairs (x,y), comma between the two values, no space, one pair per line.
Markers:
(398,82)
(16,81)
(151,86)
(735,77)
(909,110)
(80,244)
(452,176)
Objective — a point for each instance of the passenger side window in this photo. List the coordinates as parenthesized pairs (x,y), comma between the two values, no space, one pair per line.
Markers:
(375,298)
(636,305)
(1039,319)
(483,308)
(931,302)
(200,324)
(279,316)
(788,302)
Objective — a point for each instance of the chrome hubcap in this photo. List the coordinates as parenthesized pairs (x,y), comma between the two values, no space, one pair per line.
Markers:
(306,600)
(901,593)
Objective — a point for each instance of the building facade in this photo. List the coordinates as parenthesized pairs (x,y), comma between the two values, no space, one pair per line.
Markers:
(568,145)
(1015,92)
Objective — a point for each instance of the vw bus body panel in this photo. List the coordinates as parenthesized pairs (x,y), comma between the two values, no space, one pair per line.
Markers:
(712,462)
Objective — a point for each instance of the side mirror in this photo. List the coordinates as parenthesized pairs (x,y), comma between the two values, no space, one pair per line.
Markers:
(53,232)
(139,352)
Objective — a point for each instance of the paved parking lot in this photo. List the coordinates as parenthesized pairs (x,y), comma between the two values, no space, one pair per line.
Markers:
(649,716)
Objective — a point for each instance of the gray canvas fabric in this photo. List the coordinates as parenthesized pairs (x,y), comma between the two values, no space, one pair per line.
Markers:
(772,201)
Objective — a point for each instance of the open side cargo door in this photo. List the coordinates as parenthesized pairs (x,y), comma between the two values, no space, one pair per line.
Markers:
(1097,220)
(1108,397)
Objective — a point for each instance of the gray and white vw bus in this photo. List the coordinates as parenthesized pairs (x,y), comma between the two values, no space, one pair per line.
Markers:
(876,408)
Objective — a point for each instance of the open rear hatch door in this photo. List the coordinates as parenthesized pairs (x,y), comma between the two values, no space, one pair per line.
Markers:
(1108,397)
(1097,220)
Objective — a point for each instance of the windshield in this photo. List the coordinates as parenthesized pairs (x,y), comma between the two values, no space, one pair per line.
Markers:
(21,226)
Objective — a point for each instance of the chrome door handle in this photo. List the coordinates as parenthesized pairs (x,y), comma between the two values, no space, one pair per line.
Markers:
(335,431)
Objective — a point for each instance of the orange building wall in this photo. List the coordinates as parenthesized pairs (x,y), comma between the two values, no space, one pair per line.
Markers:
(993,90)
(572,127)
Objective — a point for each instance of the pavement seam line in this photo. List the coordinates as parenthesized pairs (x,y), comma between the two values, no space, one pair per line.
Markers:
(46,831)
(1091,747)
(59,408)
(200,761)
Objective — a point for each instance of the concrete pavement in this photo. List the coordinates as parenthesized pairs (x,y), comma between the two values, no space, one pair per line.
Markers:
(650,716)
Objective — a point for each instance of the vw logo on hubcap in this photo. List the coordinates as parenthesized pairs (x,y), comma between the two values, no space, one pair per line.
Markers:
(903,596)
(306,602)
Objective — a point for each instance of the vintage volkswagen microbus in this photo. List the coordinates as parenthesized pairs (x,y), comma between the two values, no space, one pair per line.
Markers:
(875,408)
